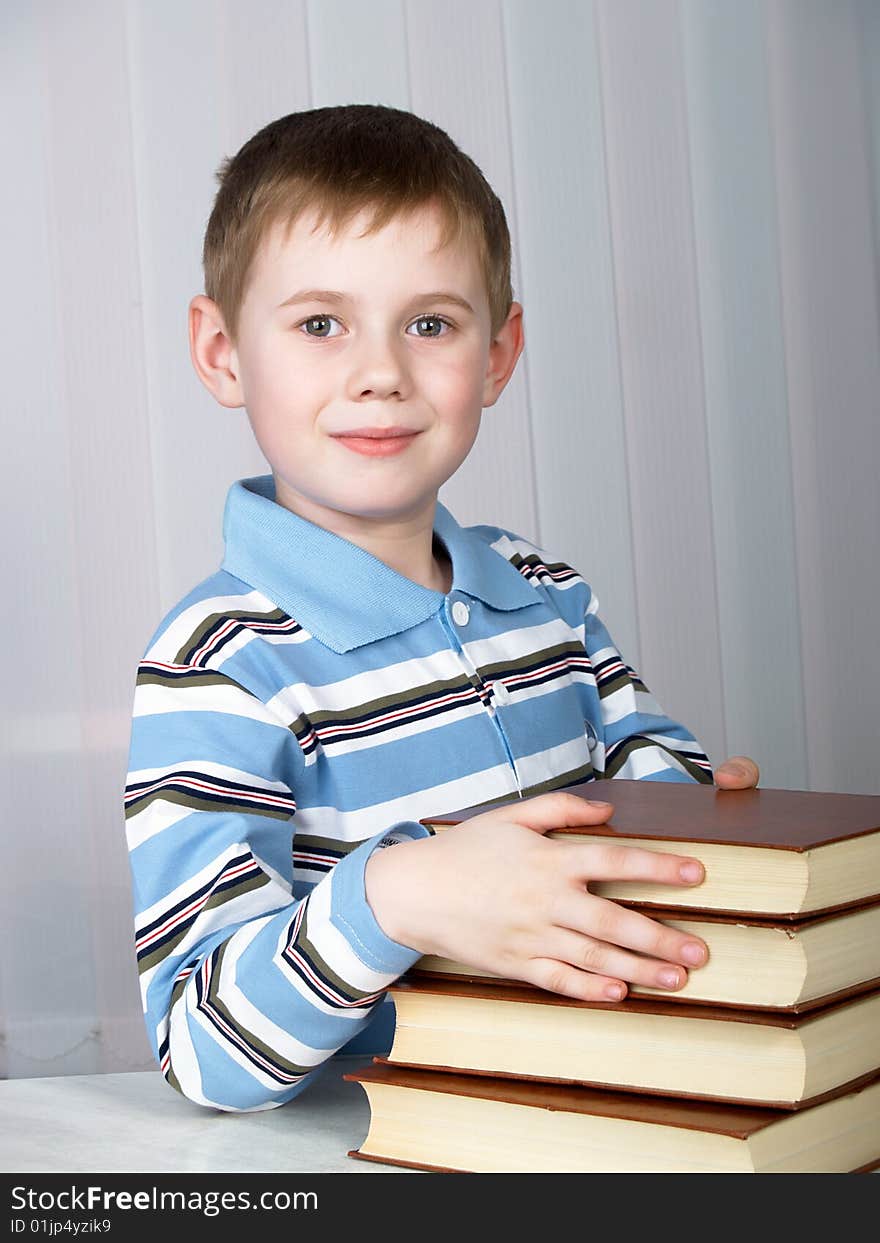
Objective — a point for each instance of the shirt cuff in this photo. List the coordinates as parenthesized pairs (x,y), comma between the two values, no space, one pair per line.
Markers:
(352,914)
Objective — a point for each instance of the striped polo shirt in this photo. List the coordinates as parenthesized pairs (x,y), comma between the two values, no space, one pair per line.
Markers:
(307,704)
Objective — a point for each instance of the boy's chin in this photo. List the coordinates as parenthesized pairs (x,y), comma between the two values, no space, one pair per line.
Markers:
(387,510)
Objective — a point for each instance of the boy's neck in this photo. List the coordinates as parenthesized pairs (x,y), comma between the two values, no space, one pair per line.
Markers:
(423,560)
(419,556)
(410,548)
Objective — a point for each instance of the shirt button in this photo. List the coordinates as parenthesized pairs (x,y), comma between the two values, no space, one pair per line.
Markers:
(500,693)
(460,613)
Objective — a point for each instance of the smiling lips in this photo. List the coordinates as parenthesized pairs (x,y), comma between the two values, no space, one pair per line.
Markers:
(377,441)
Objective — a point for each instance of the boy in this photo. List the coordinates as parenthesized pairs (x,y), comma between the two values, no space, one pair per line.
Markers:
(361,661)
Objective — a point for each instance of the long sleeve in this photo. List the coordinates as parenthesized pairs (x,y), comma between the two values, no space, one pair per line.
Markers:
(634,738)
(306,705)
(246,988)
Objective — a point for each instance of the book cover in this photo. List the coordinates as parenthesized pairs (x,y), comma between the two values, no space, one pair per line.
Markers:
(754,962)
(769,852)
(755,1057)
(464,1123)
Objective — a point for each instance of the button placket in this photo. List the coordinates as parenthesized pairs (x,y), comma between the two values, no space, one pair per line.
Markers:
(460,614)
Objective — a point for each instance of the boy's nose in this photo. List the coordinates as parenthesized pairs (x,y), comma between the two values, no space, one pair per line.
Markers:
(378,370)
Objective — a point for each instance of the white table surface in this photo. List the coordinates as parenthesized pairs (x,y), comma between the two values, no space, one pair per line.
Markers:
(135,1123)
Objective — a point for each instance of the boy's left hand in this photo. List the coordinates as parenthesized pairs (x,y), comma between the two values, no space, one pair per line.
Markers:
(737,773)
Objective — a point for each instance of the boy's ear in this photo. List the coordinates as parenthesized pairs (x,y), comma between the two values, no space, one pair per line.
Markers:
(212,353)
(504,352)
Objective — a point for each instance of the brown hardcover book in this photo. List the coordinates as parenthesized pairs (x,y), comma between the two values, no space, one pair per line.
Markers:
(793,965)
(755,1057)
(783,853)
(472,1124)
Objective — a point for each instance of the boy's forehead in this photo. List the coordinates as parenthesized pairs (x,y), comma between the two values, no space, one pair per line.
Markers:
(308,249)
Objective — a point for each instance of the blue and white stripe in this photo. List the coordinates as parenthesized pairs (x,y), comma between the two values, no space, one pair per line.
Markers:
(295,709)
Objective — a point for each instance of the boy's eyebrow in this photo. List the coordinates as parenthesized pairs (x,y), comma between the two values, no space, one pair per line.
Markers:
(334,295)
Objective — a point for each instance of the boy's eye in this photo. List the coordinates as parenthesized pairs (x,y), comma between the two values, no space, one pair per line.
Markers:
(427,326)
(322,323)
(430,325)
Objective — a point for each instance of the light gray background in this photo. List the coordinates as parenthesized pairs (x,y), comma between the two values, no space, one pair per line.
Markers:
(692,188)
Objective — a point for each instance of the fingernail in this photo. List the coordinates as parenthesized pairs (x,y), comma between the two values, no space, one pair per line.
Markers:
(594,803)
(614,992)
(691,872)
(670,979)
(693,953)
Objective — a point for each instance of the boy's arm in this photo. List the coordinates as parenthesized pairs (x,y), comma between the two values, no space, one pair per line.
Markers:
(637,740)
(246,989)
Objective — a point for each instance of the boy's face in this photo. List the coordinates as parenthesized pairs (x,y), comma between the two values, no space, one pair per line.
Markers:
(398,341)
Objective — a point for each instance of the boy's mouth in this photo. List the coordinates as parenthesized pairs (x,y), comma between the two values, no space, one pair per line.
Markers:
(377,441)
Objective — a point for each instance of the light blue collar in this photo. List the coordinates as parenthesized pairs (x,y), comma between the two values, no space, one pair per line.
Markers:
(343,596)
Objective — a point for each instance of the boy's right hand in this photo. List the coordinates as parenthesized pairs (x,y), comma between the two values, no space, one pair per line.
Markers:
(495,893)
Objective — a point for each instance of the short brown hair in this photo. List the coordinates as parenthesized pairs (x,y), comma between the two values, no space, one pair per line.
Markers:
(339,161)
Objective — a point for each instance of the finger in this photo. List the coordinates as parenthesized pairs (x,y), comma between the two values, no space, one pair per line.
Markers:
(562,977)
(614,861)
(588,954)
(611,925)
(557,810)
(737,773)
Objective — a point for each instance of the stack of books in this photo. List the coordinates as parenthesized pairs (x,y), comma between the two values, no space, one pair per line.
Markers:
(768,1060)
